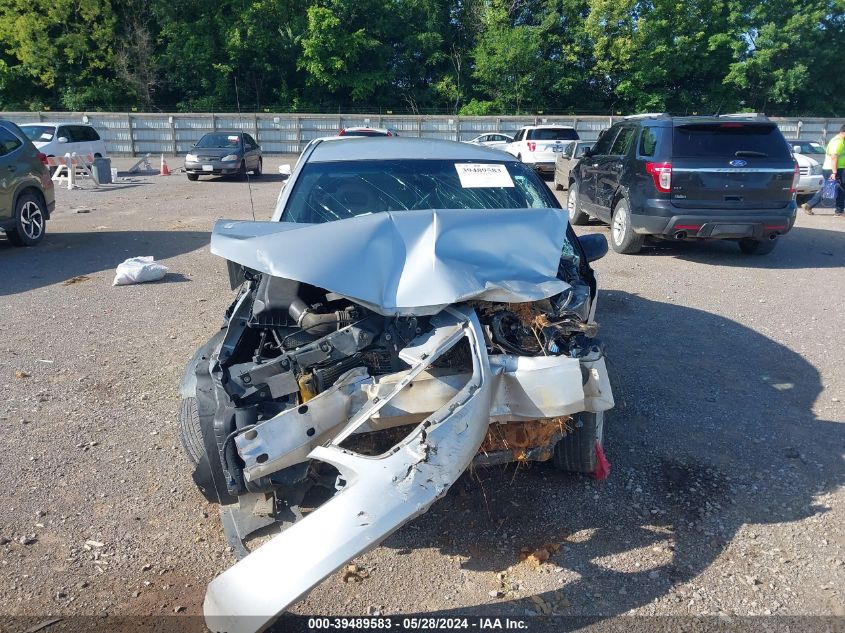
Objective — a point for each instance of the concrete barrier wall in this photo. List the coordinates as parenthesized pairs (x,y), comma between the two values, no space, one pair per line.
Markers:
(132,134)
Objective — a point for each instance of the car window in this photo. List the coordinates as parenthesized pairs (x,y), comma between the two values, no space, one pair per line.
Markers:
(344,189)
(39,133)
(519,135)
(623,141)
(729,140)
(77,134)
(8,142)
(250,140)
(91,134)
(220,140)
(62,131)
(603,145)
(569,150)
(648,141)
(552,134)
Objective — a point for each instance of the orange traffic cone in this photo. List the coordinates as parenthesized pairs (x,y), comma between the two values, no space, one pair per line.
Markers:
(164,170)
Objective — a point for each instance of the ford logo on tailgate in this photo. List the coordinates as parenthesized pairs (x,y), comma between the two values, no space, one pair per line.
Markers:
(738,163)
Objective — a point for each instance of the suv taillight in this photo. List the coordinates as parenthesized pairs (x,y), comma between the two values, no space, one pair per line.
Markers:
(661,173)
(43,158)
(342,132)
(532,146)
(796,176)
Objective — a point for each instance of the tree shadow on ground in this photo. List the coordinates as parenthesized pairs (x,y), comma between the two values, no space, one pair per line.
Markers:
(62,256)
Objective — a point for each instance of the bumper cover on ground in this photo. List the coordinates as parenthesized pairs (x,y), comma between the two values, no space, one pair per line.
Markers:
(379,494)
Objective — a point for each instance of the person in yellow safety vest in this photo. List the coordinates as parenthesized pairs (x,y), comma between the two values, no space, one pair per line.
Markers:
(833,169)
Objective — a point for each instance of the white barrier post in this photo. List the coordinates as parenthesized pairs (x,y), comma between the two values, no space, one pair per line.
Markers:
(145,161)
(84,164)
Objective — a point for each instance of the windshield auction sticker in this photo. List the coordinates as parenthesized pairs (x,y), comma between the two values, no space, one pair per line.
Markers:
(479,175)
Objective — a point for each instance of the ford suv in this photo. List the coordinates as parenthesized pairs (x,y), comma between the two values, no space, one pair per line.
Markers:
(726,177)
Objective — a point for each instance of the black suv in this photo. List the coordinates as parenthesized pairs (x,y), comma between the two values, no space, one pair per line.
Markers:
(725,177)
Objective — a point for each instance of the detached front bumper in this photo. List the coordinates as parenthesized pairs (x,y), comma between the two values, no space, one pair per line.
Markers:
(378,494)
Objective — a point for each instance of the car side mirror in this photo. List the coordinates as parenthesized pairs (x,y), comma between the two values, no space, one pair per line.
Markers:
(586,152)
(284,170)
(62,139)
(594,246)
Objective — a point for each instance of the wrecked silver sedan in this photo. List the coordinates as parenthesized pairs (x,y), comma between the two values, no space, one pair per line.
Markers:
(412,308)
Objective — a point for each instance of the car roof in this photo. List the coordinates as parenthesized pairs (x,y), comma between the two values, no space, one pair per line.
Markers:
(547,125)
(55,124)
(399,148)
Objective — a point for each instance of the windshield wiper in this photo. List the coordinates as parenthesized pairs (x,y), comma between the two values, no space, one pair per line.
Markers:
(750,153)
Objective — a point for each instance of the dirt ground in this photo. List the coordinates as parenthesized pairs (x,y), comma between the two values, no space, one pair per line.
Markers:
(727,444)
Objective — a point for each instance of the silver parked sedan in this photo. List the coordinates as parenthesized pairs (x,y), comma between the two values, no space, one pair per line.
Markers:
(414,306)
(224,154)
(566,160)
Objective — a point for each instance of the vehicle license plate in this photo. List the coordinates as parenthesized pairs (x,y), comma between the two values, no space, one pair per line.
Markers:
(208,167)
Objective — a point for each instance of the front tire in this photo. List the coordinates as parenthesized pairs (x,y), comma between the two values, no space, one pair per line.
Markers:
(757,247)
(30,220)
(241,175)
(623,239)
(256,173)
(573,206)
(193,177)
(190,431)
(576,452)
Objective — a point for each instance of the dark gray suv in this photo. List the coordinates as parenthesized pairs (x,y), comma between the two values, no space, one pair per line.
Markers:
(27,196)
(688,178)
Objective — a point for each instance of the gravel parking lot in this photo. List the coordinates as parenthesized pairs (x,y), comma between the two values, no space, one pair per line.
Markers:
(726,445)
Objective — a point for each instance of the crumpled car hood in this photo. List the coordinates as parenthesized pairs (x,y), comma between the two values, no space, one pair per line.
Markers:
(409,262)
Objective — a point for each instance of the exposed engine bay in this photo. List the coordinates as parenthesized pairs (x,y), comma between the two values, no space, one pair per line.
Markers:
(384,407)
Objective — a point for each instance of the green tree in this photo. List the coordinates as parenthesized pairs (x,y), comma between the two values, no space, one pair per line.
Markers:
(58,53)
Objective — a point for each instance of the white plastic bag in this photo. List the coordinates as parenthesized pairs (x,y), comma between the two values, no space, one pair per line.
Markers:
(137,270)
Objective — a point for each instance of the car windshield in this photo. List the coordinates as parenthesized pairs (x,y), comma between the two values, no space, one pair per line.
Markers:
(337,190)
(811,148)
(220,140)
(552,134)
(39,132)
(729,140)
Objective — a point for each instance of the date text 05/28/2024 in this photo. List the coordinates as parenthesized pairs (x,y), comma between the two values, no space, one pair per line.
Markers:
(416,624)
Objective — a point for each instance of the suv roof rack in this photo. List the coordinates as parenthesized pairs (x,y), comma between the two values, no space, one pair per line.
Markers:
(756,116)
(646,115)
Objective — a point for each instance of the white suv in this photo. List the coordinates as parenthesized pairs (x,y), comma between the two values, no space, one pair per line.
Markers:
(539,145)
(58,139)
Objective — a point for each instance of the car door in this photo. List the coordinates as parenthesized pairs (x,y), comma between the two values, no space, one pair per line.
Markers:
(63,131)
(253,150)
(588,169)
(609,170)
(513,147)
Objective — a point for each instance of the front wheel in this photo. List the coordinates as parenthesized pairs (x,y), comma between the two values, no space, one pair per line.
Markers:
(576,452)
(623,239)
(192,177)
(757,247)
(256,173)
(241,175)
(573,206)
(30,221)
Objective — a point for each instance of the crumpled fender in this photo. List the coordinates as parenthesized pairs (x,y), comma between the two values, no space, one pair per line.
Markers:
(380,494)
